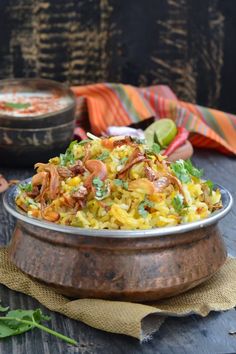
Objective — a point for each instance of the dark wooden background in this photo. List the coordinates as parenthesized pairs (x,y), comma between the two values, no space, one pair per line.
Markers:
(187,44)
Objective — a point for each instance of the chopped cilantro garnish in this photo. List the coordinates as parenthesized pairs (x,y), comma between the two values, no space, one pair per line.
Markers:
(180,171)
(68,156)
(184,169)
(125,185)
(178,202)
(210,185)
(104,155)
(26,187)
(118,182)
(144,204)
(18,105)
(192,170)
(121,183)
(124,160)
(30,201)
(102,188)
(97,182)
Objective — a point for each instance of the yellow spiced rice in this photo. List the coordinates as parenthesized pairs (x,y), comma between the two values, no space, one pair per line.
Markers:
(117,183)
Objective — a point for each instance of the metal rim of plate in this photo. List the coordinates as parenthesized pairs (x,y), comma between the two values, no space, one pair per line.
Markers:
(11,207)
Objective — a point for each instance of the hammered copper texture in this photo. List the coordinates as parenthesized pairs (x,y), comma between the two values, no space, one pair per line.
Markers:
(114,268)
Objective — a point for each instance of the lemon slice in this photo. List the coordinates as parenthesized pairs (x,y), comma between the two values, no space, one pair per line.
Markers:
(162,132)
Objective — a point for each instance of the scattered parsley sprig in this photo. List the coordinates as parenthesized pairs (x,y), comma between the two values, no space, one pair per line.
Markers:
(19,321)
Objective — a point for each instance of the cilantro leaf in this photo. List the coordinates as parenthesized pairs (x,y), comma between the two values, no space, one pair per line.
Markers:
(192,170)
(104,155)
(121,183)
(97,182)
(184,169)
(178,202)
(180,171)
(68,156)
(19,321)
(124,160)
(15,105)
(144,204)
(26,187)
(118,182)
(4,309)
(210,185)
(102,188)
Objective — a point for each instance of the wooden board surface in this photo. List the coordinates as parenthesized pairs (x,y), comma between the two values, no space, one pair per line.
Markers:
(189,335)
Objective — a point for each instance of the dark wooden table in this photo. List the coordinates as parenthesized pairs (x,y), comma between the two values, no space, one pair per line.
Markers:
(192,334)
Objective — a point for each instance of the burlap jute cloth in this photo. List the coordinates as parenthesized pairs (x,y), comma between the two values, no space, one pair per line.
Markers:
(132,319)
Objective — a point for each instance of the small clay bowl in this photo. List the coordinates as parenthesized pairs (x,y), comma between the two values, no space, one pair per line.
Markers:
(139,265)
(38,130)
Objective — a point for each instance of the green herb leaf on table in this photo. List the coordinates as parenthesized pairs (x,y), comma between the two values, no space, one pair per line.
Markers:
(178,202)
(19,321)
(144,204)
(14,105)
(4,309)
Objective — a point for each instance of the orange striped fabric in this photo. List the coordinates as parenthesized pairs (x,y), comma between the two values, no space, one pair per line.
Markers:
(109,104)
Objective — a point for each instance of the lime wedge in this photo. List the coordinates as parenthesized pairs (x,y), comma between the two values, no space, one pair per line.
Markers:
(162,132)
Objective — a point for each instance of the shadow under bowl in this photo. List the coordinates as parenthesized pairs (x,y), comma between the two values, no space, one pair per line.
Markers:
(139,265)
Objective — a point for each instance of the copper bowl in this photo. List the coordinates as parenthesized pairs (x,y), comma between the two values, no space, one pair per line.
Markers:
(139,265)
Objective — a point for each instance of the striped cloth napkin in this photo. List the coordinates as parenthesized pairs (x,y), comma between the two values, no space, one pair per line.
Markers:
(109,104)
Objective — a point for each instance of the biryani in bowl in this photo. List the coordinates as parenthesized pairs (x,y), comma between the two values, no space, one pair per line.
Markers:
(117,183)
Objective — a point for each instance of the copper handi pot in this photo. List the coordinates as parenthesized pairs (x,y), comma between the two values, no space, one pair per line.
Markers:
(139,265)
